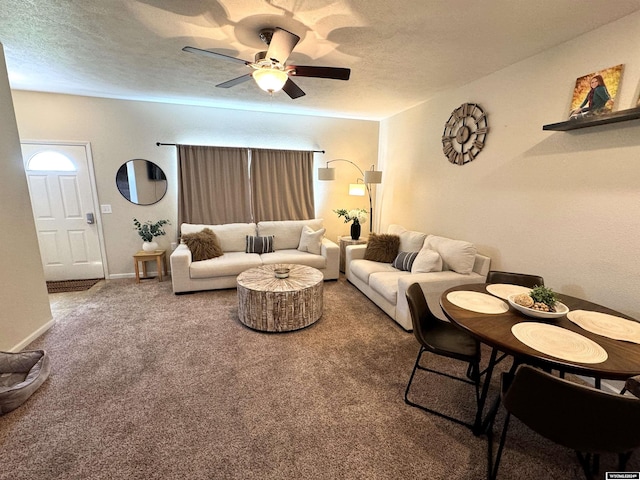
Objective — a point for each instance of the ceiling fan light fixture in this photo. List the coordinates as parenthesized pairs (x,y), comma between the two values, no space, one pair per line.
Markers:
(270,79)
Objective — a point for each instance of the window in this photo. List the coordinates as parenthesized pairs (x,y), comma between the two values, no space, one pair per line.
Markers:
(48,160)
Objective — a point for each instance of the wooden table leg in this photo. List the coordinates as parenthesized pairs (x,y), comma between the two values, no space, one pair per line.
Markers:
(159,267)
(137,268)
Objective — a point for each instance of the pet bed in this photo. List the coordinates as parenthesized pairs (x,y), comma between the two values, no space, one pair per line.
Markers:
(21,374)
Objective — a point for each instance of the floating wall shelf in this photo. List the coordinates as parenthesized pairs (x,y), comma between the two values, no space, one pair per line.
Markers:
(614,117)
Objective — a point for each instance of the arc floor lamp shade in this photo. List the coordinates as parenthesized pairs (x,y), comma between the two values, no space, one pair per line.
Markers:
(360,189)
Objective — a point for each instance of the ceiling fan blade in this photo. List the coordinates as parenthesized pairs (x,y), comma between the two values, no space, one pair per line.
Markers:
(293,90)
(281,45)
(235,81)
(320,72)
(209,53)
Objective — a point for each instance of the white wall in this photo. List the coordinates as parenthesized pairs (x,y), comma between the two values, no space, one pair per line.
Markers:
(565,205)
(24,304)
(123,130)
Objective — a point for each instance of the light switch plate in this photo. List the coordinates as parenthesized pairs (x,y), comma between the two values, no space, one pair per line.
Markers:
(105,208)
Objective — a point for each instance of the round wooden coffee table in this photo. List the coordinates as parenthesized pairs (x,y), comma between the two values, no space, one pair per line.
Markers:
(271,304)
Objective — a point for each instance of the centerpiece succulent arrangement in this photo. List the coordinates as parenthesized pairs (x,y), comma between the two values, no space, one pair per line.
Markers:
(540,298)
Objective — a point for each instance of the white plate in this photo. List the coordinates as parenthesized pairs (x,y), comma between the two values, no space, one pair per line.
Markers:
(503,290)
(561,309)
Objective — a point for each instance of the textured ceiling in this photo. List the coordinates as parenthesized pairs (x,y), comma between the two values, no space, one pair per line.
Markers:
(400,53)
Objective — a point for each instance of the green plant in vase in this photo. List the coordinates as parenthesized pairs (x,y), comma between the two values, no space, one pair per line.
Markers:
(148,231)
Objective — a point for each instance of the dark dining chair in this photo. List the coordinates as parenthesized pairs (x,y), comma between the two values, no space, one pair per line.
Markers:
(632,385)
(579,417)
(523,279)
(445,339)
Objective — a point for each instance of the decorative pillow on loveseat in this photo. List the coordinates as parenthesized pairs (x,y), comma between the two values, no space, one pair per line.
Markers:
(404,261)
(260,245)
(204,244)
(310,240)
(427,260)
(382,247)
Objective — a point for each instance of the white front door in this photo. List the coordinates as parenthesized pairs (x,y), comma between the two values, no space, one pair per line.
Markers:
(63,207)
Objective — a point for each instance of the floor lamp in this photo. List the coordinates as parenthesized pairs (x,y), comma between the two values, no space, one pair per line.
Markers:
(368,177)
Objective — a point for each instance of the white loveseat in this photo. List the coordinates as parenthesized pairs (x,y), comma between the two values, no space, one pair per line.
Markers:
(386,285)
(222,272)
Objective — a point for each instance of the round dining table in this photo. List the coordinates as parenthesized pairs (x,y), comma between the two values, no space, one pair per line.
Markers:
(495,330)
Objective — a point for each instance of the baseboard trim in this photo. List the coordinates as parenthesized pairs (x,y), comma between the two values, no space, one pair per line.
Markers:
(20,346)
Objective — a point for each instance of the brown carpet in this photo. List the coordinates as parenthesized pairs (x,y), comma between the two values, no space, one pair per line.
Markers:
(63,286)
(148,385)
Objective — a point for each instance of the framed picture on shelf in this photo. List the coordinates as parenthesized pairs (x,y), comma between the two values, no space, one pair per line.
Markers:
(595,93)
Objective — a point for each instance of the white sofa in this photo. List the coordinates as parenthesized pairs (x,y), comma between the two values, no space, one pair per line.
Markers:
(221,272)
(386,285)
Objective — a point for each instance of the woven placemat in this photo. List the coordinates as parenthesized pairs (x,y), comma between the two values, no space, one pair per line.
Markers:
(71,285)
(477,302)
(559,342)
(503,290)
(606,325)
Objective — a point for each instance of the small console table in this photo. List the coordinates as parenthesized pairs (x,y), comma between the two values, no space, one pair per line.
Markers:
(160,258)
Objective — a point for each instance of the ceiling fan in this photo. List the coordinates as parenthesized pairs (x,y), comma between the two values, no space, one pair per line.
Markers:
(270,71)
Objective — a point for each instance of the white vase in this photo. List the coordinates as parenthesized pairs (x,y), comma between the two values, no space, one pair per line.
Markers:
(149,246)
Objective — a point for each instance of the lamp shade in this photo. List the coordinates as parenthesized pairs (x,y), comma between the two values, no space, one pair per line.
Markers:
(372,176)
(328,173)
(357,189)
(270,79)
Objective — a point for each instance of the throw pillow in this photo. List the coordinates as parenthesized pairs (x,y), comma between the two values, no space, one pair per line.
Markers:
(427,261)
(260,245)
(382,247)
(457,255)
(310,240)
(203,244)
(404,261)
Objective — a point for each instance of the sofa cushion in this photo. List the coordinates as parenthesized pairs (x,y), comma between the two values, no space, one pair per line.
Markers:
(386,284)
(259,245)
(410,241)
(231,235)
(295,256)
(427,260)
(457,255)
(231,263)
(382,247)
(364,268)
(286,233)
(310,240)
(404,261)
(203,244)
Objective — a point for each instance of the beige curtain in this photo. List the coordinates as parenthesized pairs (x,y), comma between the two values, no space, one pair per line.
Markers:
(282,185)
(205,175)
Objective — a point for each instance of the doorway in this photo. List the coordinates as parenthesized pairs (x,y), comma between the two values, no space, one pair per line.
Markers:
(63,200)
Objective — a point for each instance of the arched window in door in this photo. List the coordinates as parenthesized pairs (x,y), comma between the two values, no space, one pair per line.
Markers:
(49,160)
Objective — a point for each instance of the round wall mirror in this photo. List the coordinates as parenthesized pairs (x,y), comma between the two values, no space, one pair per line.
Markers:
(141,182)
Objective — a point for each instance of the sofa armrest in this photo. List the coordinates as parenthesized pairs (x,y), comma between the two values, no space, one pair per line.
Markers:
(331,252)
(354,252)
(180,259)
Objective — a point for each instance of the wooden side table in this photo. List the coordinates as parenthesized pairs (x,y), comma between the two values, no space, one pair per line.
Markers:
(160,257)
(347,240)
